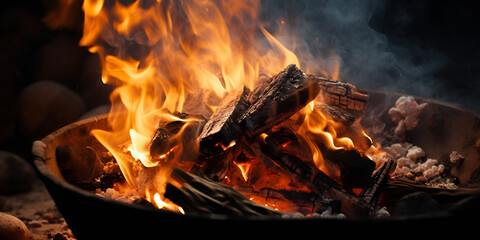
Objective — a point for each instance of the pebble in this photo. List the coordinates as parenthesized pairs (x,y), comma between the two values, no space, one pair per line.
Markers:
(12,228)
(35,223)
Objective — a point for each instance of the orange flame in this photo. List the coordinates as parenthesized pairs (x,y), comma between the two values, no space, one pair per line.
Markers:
(160,53)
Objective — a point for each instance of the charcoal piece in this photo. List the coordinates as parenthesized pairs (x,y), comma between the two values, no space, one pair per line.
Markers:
(354,169)
(278,98)
(198,194)
(223,129)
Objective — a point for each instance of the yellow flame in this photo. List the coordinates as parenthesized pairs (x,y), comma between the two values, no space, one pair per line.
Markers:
(244,168)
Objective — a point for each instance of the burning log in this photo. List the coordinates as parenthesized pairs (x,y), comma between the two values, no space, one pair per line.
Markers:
(278,98)
(315,179)
(295,201)
(223,129)
(372,192)
(349,167)
(199,194)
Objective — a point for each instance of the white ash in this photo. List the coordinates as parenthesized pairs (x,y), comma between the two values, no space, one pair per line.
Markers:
(381,213)
(127,195)
(413,164)
(406,113)
(415,153)
(456,158)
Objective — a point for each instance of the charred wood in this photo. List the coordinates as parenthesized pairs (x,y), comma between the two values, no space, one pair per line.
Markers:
(166,136)
(348,167)
(315,179)
(295,201)
(336,114)
(163,140)
(199,194)
(341,94)
(223,129)
(278,98)
(353,169)
(372,192)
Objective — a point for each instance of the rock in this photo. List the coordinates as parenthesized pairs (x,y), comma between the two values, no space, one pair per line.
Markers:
(16,175)
(12,228)
(46,106)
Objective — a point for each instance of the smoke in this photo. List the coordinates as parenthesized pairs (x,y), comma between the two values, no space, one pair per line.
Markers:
(347,33)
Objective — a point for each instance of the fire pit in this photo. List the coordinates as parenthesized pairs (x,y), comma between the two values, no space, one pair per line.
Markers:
(443,129)
(216,120)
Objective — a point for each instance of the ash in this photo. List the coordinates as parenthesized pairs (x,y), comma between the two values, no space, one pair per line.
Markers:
(129,195)
(405,113)
(413,164)
(412,161)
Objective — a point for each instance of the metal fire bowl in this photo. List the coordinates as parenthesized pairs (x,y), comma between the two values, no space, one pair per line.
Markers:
(442,129)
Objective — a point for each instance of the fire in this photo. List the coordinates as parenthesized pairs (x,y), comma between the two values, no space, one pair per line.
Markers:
(160,54)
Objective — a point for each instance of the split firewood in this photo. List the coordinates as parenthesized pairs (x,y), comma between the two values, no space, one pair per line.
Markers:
(316,180)
(278,98)
(199,194)
(292,201)
(222,129)
(344,95)
(372,192)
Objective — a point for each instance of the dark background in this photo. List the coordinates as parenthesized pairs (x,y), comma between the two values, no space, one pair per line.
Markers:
(426,48)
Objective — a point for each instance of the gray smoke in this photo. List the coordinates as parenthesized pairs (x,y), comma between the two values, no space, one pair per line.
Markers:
(367,57)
